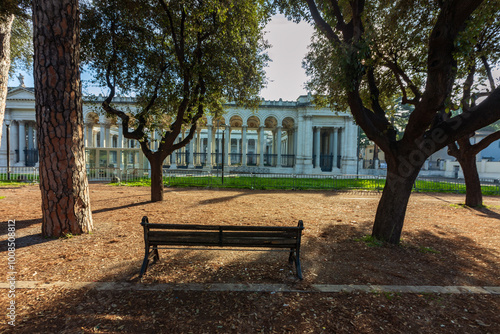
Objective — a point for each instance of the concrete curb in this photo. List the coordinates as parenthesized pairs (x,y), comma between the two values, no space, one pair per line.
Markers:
(327,288)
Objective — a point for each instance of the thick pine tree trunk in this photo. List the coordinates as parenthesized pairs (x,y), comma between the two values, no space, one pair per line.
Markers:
(5,33)
(156,179)
(391,210)
(473,194)
(63,179)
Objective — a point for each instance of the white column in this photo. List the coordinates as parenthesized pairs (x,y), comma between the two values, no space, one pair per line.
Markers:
(85,136)
(88,132)
(22,143)
(278,146)
(317,144)
(120,135)
(184,148)
(244,145)
(307,145)
(335,146)
(198,148)
(173,158)
(108,135)
(191,153)
(14,142)
(343,147)
(295,145)
(35,138)
(153,144)
(261,146)
(102,135)
(227,146)
(208,162)
(30,136)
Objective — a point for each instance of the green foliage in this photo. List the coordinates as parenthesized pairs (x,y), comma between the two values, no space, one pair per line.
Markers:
(303,183)
(370,241)
(21,45)
(176,54)
(394,45)
(16,7)
(4,183)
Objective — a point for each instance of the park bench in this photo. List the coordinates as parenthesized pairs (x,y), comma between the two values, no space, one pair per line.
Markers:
(221,237)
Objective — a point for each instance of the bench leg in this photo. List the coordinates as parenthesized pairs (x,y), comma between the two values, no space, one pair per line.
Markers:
(144,264)
(156,256)
(297,264)
(291,258)
(294,257)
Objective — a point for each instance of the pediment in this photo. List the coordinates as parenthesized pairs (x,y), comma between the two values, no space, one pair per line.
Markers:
(21,93)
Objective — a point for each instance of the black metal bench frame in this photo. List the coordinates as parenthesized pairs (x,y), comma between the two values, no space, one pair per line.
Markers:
(213,236)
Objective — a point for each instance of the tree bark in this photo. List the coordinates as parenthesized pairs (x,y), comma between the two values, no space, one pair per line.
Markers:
(473,194)
(63,178)
(465,153)
(391,210)
(5,33)
(156,178)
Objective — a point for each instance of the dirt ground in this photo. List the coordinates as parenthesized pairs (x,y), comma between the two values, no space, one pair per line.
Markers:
(443,243)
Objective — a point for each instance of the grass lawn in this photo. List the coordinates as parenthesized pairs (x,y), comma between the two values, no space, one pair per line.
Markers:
(306,183)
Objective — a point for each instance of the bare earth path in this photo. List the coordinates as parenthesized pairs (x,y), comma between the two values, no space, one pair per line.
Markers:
(443,244)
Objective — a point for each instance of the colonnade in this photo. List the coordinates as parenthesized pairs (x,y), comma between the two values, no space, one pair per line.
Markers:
(22,142)
(241,147)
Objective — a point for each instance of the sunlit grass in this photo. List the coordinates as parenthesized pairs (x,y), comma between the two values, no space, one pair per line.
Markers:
(302,183)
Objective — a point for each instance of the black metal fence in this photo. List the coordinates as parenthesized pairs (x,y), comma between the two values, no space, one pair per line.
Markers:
(201,178)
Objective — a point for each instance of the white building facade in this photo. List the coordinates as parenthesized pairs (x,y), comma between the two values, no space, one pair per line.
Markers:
(280,137)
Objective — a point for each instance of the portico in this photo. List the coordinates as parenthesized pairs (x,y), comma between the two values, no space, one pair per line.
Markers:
(278,137)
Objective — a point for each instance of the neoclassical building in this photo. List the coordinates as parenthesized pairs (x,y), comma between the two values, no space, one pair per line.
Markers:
(280,137)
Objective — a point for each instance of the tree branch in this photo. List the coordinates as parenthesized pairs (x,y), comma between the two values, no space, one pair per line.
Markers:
(488,72)
(477,117)
(321,23)
(485,142)
(467,88)
(441,65)
(374,93)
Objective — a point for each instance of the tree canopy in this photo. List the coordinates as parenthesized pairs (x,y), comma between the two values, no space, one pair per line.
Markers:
(368,54)
(181,59)
(21,45)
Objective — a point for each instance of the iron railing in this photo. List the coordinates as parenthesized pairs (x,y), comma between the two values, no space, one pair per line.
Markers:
(206,179)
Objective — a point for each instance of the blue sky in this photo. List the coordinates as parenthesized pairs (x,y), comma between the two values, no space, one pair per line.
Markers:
(286,77)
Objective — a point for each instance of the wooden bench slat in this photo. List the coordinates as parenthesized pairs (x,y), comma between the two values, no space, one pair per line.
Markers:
(225,234)
(284,237)
(193,227)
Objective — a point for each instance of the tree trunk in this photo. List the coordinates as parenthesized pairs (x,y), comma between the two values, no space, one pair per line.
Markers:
(5,32)
(63,178)
(156,178)
(391,210)
(473,194)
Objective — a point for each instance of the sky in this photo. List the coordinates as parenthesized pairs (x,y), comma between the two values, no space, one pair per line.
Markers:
(286,77)
(289,41)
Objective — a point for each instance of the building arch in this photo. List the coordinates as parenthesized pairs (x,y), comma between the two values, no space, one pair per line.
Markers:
(253,122)
(92,118)
(288,123)
(236,121)
(271,122)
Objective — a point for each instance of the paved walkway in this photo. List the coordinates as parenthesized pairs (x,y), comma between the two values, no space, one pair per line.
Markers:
(492,290)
